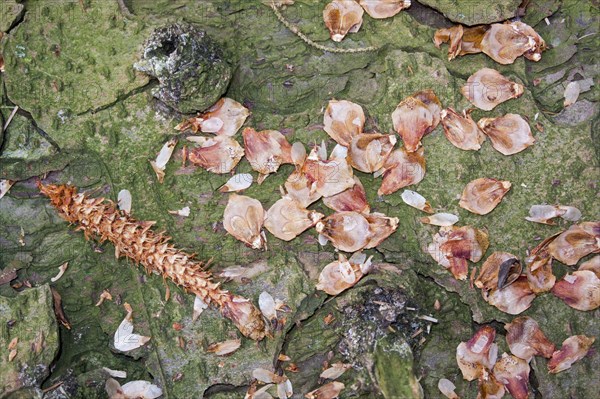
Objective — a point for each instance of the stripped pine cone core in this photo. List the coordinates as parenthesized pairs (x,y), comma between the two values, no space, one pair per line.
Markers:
(101,219)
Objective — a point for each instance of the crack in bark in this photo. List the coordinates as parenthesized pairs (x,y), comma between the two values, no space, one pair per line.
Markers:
(27,115)
(120,98)
(296,324)
(535,384)
(39,130)
(18,21)
(125,10)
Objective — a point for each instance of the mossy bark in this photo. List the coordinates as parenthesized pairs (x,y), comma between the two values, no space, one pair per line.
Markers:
(28,318)
(70,64)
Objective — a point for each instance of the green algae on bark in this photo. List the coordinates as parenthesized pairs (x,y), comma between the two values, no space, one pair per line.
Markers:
(473,12)
(67,58)
(23,141)
(571,32)
(279,77)
(23,169)
(393,360)
(10,12)
(28,317)
(26,151)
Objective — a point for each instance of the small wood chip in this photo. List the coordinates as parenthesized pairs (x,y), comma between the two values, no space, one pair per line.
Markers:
(184,156)
(13,343)
(38,344)
(224,348)
(539,127)
(283,358)
(105,295)
(10,118)
(58,310)
(472,278)
(22,238)
(61,270)
(329,319)
(292,367)
(419,331)
(52,387)
(428,318)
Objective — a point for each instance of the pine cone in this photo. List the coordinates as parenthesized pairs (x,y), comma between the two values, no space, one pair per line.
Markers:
(136,240)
